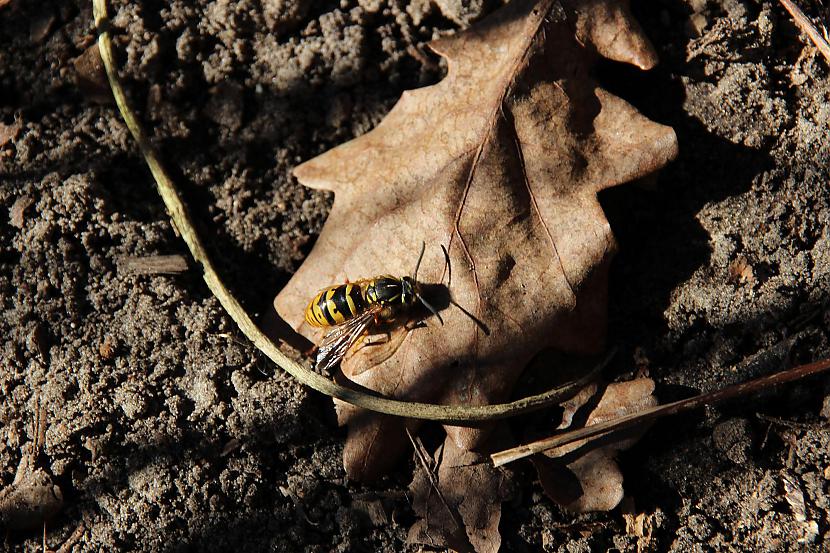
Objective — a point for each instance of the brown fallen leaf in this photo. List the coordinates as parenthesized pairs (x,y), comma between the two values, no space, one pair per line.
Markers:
(501,163)
(459,505)
(558,481)
(92,79)
(8,133)
(32,498)
(794,496)
(592,461)
(18,210)
(41,25)
(107,347)
(740,271)
(647,416)
(638,525)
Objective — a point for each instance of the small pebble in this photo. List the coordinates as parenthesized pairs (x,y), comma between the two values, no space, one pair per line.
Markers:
(825,407)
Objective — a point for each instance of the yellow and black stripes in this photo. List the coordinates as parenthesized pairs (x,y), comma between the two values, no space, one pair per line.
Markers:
(353,308)
(335,305)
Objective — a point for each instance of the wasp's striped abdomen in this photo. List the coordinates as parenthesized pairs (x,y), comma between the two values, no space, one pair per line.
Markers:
(335,305)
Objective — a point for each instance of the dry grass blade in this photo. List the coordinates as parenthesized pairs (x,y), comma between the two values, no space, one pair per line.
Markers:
(803,23)
(520,452)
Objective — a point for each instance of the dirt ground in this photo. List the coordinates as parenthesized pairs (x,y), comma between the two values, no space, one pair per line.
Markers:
(166,431)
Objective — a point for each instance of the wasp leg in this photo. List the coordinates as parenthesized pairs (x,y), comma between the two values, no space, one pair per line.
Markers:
(412,325)
(311,352)
(380,339)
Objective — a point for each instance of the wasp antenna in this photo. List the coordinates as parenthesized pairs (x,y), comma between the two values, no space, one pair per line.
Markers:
(428,306)
(418,264)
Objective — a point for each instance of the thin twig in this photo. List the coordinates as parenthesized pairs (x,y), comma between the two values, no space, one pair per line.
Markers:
(520,452)
(804,23)
(66,547)
(788,424)
(457,414)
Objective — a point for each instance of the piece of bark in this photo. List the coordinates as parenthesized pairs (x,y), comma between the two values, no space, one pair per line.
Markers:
(18,210)
(152,265)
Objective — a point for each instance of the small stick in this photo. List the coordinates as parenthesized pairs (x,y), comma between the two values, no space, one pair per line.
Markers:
(803,23)
(66,547)
(788,424)
(152,264)
(514,454)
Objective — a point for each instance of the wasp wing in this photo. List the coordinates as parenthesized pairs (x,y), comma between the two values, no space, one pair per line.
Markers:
(342,337)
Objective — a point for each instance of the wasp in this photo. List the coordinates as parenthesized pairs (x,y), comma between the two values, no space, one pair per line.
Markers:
(351,309)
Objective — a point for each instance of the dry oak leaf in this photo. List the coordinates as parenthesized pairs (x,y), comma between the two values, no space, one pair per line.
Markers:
(500,162)
(459,504)
(591,461)
(31,499)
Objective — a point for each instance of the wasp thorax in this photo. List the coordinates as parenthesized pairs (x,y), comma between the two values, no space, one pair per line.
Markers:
(388,290)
